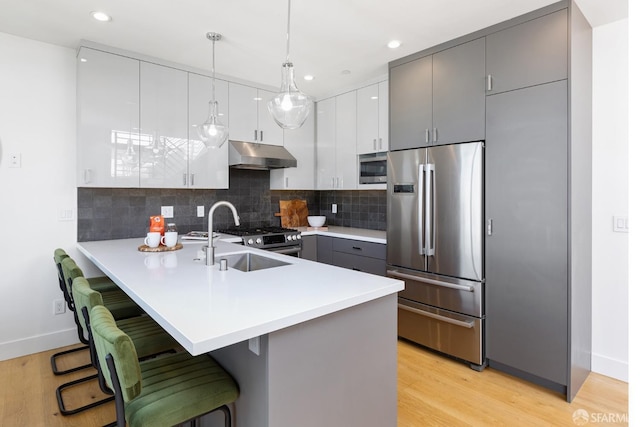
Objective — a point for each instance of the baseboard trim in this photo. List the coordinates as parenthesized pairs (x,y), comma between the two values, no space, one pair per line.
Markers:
(610,367)
(38,343)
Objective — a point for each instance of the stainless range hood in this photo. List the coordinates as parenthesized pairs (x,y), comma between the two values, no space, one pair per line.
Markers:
(251,155)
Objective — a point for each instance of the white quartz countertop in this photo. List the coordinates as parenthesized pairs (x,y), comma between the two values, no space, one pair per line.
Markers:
(205,309)
(362,234)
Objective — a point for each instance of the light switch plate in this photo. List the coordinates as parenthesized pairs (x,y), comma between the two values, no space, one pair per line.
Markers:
(200,211)
(334,208)
(621,224)
(166,211)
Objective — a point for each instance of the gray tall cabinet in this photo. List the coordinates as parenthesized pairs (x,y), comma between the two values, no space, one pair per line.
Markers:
(537,101)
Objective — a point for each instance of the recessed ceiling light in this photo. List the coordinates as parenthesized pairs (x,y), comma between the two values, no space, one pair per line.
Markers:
(101,16)
(393,44)
(345,72)
(309,77)
(83,59)
(374,97)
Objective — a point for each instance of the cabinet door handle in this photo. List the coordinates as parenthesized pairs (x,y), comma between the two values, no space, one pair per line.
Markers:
(379,143)
(435,134)
(489,82)
(261,138)
(489,227)
(426,136)
(356,248)
(286,182)
(193,178)
(255,135)
(87,176)
(374,143)
(184,179)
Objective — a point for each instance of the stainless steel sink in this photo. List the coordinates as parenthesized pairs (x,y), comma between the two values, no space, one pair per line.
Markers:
(248,261)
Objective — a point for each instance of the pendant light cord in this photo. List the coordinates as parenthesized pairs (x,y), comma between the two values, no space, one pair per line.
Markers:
(288,28)
(213,69)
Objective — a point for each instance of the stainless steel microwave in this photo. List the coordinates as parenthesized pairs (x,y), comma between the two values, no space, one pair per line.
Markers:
(373,168)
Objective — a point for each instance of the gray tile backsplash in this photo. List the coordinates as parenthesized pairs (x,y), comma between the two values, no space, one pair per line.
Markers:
(117,213)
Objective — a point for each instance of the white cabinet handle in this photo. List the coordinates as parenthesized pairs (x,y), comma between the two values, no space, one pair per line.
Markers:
(193,178)
(489,82)
(435,134)
(261,138)
(489,227)
(255,135)
(286,182)
(87,176)
(426,135)
(375,145)
(184,179)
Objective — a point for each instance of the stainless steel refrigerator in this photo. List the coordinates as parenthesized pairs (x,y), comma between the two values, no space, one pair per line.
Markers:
(435,244)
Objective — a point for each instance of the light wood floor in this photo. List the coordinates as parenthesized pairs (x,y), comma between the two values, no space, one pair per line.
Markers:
(432,391)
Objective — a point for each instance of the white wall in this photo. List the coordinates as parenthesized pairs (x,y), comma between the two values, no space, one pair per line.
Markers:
(37,120)
(610,197)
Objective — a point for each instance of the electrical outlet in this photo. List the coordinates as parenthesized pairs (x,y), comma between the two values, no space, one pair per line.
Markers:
(334,208)
(59,307)
(200,211)
(166,211)
(15,160)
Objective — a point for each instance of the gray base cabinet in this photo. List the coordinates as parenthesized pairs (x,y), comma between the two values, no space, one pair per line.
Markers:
(353,254)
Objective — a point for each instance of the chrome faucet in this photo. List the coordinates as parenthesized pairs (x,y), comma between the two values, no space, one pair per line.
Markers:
(209,249)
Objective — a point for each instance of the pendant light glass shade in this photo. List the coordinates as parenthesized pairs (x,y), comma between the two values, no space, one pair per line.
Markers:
(290,107)
(213,132)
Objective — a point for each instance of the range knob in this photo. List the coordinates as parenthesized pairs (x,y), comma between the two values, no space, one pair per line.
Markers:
(289,237)
(258,241)
(250,242)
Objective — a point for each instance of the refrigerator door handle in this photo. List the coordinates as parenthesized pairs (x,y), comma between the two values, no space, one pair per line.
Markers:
(395,273)
(456,322)
(421,169)
(430,180)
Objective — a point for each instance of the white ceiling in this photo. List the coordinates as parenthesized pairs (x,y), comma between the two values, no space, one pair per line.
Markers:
(327,36)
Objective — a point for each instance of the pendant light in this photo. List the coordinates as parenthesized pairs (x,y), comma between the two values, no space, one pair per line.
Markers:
(213,132)
(290,107)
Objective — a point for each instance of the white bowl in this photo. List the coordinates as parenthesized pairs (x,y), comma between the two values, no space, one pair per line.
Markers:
(316,221)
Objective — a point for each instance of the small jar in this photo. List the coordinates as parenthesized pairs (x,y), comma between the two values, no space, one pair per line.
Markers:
(171,227)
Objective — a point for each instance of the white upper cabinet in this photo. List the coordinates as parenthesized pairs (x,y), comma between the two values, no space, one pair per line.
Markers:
(208,168)
(107,120)
(372,118)
(163,126)
(301,144)
(336,164)
(249,118)
(346,133)
(325,144)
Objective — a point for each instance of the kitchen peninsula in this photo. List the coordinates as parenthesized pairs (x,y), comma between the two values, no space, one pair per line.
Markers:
(309,344)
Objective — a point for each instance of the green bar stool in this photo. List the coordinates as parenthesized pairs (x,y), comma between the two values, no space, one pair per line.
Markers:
(164,391)
(149,337)
(58,256)
(113,296)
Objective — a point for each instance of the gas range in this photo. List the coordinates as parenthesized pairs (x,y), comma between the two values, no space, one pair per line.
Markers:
(275,239)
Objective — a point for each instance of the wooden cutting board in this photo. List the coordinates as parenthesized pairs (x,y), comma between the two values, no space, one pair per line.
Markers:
(293,213)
